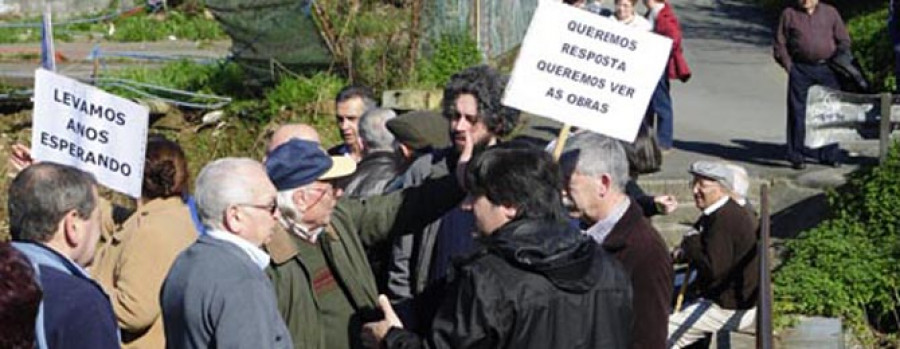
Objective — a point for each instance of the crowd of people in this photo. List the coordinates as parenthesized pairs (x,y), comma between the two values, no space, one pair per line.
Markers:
(440,231)
(420,230)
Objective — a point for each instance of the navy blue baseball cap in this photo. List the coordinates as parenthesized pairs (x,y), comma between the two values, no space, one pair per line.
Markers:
(299,162)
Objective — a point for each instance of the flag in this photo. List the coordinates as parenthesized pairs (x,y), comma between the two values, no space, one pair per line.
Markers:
(48,53)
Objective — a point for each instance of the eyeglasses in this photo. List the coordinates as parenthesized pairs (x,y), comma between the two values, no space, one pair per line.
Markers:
(272,207)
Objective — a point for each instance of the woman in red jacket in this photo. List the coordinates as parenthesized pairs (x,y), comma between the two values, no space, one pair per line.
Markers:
(665,23)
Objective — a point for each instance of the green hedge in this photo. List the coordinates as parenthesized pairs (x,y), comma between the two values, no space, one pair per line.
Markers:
(849,266)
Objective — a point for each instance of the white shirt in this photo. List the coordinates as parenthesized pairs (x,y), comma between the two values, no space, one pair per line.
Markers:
(638,22)
(716,206)
(600,230)
(257,255)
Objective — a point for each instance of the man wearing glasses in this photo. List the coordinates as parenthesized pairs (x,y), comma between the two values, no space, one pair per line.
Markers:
(324,284)
(722,249)
(216,293)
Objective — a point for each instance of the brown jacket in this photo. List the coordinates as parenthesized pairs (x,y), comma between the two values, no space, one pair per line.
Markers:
(725,256)
(133,263)
(644,255)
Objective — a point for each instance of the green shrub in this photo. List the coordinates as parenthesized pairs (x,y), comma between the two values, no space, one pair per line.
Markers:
(177,24)
(849,266)
(308,100)
(449,54)
(872,47)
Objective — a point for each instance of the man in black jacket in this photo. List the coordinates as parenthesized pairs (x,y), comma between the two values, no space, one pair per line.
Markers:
(535,282)
(722,249)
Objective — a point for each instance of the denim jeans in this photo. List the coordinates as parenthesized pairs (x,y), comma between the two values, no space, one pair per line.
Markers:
(661,107)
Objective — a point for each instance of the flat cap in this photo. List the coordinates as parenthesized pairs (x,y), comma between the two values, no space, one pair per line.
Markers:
(299,162)
(421,129)
(715,170)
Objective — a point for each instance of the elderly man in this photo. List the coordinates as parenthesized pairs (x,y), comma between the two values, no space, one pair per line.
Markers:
(807,35)
(595,170)
(287,132)
(381,164)
(722,248)
(54,218)
(472,105)
(323,282)
(216,293)
(351,103)
(535,282)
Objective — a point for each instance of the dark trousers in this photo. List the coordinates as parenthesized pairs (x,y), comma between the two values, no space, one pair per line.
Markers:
(800,79)
(894,28)
(661,107)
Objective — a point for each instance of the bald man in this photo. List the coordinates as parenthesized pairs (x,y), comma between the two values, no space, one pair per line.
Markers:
(287,132)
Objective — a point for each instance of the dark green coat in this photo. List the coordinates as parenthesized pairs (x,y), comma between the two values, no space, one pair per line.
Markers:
(355,225)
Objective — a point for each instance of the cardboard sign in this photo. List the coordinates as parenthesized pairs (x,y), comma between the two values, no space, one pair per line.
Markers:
(834,116)
(82,126)
(587,70)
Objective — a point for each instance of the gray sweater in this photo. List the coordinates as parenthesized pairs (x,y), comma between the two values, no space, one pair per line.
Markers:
(216,297)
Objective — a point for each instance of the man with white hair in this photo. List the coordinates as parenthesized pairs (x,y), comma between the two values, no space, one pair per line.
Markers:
(216,293)
(595,170)
(722,248)
(380,164)
(740,185)
(323,281)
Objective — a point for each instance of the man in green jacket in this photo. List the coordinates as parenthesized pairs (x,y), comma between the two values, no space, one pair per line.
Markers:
(324,284)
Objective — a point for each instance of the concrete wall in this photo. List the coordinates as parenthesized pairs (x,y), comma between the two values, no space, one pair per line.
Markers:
(60,8)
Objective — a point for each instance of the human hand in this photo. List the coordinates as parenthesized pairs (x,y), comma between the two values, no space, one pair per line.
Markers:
(665,203)
(19,159)
(373,333)
(464,157)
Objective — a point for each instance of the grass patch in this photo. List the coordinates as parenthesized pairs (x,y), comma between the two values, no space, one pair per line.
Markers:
(134,28)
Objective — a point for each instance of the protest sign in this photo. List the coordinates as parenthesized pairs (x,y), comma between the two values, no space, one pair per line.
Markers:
(586,70)
(834,116)
(82,126)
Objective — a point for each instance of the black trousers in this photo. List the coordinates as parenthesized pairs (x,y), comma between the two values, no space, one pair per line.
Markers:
(801,77)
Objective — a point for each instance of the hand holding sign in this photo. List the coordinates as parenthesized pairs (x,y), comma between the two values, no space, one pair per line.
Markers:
(19,159)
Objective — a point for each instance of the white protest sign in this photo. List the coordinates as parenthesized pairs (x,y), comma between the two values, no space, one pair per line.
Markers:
(82,126)
(586,70)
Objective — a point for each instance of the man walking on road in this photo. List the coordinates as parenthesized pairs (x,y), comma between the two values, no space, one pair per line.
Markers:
(808,34)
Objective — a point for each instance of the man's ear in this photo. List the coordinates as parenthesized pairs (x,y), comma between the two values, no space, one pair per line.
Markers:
(509,211)
(231,219)
(72,228)
(604,184)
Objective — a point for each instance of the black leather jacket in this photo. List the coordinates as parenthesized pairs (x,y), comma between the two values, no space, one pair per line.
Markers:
(534,284)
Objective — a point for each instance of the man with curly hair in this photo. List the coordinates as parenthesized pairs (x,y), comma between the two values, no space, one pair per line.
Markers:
(420,261)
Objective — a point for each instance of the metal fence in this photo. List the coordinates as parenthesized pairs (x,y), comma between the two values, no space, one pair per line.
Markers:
(498,25)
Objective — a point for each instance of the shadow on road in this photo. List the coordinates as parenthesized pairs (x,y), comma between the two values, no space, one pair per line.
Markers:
(749,151)
(727,20)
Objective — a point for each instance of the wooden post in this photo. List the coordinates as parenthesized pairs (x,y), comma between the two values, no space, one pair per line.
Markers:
(561,141)
(884,130)
(764,308)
